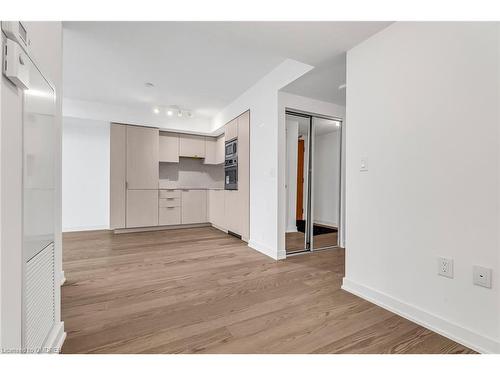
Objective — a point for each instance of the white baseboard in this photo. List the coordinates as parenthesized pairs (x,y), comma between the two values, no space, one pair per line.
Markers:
(86,228)
(56,338)
(219,228)
(291,229)
(63,278)
(264,249)
(326,223)
(473,340)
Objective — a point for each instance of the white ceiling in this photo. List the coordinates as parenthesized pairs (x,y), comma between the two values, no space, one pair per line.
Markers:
(202,66)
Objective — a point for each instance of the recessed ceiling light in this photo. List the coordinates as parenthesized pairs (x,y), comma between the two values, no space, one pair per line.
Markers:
(149,84)
(156,110)
(170,112)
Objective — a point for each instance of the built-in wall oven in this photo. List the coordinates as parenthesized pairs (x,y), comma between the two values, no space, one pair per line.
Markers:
(231,165)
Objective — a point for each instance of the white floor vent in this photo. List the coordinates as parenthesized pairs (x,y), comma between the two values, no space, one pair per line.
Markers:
(39,299)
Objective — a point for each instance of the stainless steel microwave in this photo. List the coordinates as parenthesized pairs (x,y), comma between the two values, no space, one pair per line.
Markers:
(232,149)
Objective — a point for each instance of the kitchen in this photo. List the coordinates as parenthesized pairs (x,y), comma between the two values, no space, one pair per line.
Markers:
(166,180)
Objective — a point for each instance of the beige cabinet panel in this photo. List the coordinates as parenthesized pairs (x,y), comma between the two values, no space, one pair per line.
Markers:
(216,208)
(192,146)
(244,172)
(167,193)
(170,202)
(210,150)
(142,158)
(193,206)
(169,215)
(142,208)
(231,130)
(169,147)
(232,204)
(220,150)
(118,171)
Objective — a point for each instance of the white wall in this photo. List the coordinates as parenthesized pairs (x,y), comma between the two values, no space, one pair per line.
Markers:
(299,104)
(326,178)
(423,107)
(262,100)
(292,136)
(85,172)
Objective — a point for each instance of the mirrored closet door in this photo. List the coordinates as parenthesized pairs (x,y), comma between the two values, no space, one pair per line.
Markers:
(313,151)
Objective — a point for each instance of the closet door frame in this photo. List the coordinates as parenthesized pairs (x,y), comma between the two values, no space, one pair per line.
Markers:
(309,237)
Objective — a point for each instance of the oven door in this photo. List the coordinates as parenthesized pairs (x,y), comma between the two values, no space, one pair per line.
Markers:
(231,178)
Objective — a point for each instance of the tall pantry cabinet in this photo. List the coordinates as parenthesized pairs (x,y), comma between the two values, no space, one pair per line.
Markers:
(134,176)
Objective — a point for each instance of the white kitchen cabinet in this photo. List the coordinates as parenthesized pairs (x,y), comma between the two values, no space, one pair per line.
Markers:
(118,171)
(220,150)
(216,208)
(210,150)
(142,158)
(169,215)
(231,130)
(142,208)
(233,206)
(193,206)
(169,147)
(214,150)
(191,146)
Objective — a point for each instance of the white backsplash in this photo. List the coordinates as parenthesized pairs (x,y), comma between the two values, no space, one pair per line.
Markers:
(191,173)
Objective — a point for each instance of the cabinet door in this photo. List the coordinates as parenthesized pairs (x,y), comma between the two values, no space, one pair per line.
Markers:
(220,150)
(194,206)
(142,158)
(142,208)
(169,147)
(117,190)
(244,172)
(232,205)
(231,130)
(216,208)
(210,150)
(192,146)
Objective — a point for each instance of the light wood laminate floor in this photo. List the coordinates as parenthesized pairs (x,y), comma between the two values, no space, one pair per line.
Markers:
(202,291)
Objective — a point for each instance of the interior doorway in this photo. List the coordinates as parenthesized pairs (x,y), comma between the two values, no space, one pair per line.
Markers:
(313,182)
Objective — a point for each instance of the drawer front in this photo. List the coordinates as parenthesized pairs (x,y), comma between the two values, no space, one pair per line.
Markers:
(169,215)
(170,193)
(170,202)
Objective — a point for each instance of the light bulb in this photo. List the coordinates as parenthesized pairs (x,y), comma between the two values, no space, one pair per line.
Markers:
(156,110)
(170,112)
(179,114)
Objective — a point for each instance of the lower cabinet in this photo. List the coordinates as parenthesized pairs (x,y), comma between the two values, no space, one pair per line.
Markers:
(142,208)
(232,201)
(216,208)
(169,215)
(193,206)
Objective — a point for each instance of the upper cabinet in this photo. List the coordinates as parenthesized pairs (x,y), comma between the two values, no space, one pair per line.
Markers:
(142,158)
(169,147)
(220,149)
(191,146)
(231,130)
(214,150)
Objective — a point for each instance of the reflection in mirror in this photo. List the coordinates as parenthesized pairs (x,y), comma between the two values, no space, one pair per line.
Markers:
(325,182)
(297,152)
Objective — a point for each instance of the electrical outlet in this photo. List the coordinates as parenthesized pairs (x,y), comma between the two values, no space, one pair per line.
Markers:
(445,267)
(482,276)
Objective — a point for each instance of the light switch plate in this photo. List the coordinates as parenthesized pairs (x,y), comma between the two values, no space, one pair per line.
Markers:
(482,276)
(445,267)
(363,165)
